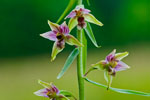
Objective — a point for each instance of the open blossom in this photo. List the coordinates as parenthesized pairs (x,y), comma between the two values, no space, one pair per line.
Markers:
(79,16)
(113,63)
(59,34)
(50,91)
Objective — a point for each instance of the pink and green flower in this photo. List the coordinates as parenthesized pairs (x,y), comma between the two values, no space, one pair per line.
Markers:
(60,35)
(79,16)
(50,91)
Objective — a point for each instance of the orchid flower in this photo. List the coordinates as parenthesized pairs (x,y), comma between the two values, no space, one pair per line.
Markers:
(59,34)
(111,65)
(78,17)
(50,91)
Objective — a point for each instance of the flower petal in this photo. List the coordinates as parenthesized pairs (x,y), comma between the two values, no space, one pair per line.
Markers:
(101,64)
(84,11)
(64,28)
(90,18)
(55,89)
(51,35)
(72,23)
(53,26)
(71,15)
(120,56)
(42,92)
(57,47)
(121,66)
(71,40)
(111,56)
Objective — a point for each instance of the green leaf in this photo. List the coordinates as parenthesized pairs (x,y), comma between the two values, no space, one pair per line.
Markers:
(67,94)
(68,62)
(89,32)
(44,84)
(70,5)
(125,91)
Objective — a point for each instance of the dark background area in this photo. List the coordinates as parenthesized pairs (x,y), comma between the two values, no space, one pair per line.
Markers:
(125,22)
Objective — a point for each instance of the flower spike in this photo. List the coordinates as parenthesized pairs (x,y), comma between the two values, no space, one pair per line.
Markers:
(60,35)
(79,15)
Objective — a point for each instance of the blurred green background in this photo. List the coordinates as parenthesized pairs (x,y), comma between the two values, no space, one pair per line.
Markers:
(25,56)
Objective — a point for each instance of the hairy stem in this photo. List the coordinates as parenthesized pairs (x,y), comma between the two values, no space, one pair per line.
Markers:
(81,63)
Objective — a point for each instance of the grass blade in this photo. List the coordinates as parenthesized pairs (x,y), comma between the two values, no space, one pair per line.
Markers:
(68,62)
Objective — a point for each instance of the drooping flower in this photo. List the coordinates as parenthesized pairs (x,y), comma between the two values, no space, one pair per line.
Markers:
(111,65)
(50,91)
(59,34)
(79,16)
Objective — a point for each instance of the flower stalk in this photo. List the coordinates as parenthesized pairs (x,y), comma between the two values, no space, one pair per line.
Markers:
(81,62)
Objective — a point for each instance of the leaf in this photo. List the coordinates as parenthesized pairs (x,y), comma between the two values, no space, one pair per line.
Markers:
(70,5)
(125,91)
(67,94)
(90,18)
(44,84)
(89,32)
(88,2)
(68,62)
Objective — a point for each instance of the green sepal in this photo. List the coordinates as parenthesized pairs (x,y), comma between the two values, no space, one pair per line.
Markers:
(68,62)
(44,84)
(67,94)
(89,32)
(100,65)
(53,26)
(108,79)
(120,56)
(72,23)
(56,50)
(71,40)
(90,18)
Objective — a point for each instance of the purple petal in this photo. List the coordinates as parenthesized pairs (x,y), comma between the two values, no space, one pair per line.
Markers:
(64,28)
(111,56)
(51,35)
(55,89)
(84,11)
(121,66)
(72,14)
(42,92)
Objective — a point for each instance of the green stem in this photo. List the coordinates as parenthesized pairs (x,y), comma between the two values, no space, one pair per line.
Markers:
(81,63)
(79,2)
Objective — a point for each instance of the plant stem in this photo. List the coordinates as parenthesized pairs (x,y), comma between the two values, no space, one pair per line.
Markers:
(79,2)
(81,63)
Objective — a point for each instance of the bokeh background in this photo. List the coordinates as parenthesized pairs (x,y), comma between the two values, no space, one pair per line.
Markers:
(25,56)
